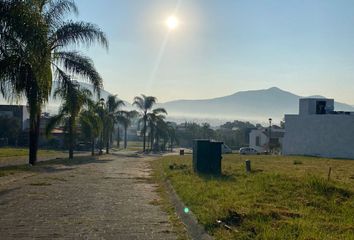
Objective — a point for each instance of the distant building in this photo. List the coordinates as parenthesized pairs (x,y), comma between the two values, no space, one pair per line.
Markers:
(319,130)
(260,138)
(16,111)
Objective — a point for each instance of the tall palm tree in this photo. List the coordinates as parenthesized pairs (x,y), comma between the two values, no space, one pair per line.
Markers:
(53,59)
(154,118)
(74,99)
(113,105)
(125,118)
(171,129)
(23,59)
(161,132)
(144,104)
(91,125)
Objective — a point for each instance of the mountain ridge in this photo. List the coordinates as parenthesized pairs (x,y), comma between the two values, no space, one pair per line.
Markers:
(253,105)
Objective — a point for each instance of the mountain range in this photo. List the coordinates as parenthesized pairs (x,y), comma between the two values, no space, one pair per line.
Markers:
(256,105)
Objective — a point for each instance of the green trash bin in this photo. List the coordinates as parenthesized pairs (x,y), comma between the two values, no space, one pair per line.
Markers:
(207,157)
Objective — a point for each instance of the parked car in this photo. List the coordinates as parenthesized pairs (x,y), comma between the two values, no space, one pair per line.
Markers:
(248,151)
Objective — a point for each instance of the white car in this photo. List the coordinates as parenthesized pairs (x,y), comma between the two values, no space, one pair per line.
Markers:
(248,151)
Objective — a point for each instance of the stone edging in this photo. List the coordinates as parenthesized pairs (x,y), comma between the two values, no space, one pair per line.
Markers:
(194,229)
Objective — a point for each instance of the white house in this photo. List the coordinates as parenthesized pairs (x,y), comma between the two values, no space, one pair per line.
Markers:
(318,130)
(259,138)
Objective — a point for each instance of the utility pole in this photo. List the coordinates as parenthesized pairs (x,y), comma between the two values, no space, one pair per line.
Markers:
(270,135)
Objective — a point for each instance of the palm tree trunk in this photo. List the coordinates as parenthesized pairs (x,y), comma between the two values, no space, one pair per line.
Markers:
(125,137)
(71,139)
(148,142)
(93,147)
(144,134)
(107,141)
(157,143)
(118,137)
(171,145)
(152,138)
(111,138)
(35,119)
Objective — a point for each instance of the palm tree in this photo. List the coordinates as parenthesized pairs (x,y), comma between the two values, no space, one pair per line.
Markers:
(113,105)
(34,79)
(91,125)
(23,55)
(125,118)
(171,134)
(144,104)
(154,118)
(74,99)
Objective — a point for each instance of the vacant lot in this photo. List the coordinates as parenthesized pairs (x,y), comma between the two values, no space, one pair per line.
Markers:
(283,198)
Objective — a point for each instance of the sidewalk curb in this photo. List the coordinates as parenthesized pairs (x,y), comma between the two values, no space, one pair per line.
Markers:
(194,229)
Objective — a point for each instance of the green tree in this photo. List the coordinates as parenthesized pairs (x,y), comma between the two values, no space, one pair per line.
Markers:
(144,104)
(91,125)
(74,99)
(125,118)
(155,121)
(34,64)
(171,129)
(113,106)
(24,54)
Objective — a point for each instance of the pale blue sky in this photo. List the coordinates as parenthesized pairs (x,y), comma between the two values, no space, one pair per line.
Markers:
(224,46)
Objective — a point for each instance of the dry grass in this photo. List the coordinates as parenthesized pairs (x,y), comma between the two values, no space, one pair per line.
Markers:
(278,200)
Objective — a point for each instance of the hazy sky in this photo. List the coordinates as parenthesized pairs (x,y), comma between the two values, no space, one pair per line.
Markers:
(224,46)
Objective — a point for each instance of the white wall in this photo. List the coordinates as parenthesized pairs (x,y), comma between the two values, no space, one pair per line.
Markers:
(25,117)
(263,140)
(319,135)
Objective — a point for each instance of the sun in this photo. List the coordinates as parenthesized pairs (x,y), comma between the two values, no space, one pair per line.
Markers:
(172,23)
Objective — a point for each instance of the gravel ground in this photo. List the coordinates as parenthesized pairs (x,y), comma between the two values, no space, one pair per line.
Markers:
(105,198)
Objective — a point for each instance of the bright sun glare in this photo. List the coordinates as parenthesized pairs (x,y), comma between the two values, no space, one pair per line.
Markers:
(172,22)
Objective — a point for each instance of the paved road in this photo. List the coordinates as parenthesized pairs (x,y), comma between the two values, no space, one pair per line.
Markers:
(107,198)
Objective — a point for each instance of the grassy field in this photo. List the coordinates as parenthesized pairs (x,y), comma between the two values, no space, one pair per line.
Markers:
(283,197)
(131,146)
(17,152)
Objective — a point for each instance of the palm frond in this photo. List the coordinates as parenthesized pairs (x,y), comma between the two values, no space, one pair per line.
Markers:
(159,111)
(57,10)
(53,122)
(80,65)
(77,33)
(139,103)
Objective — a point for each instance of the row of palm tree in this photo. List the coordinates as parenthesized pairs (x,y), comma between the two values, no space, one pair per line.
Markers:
(96,121)
(35,43)
(154,124)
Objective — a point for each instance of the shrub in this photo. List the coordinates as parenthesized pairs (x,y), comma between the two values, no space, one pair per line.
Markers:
(297,162)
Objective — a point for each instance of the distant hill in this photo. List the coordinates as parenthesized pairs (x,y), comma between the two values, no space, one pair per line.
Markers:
(257,105)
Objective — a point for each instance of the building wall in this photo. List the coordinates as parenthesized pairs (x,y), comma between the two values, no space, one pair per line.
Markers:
(263,140)
(307,106)
(327,135)
(17,111)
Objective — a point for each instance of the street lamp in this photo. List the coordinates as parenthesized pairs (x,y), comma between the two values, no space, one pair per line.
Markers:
(270,134)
